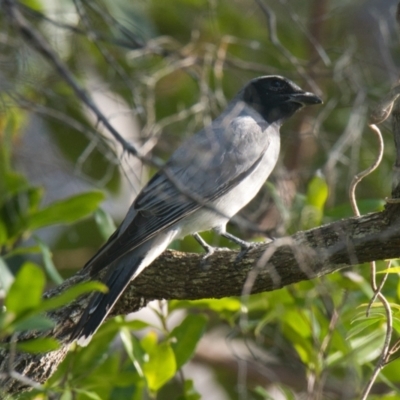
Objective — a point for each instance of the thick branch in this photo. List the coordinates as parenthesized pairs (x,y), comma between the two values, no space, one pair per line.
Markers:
(176,275)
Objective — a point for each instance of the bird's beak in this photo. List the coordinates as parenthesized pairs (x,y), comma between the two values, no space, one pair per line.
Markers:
(305,98)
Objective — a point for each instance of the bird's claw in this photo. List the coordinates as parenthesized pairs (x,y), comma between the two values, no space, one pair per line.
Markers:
(245,248)
(210,250)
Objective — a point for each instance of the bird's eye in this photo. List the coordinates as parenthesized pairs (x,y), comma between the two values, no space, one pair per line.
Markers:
(276,84)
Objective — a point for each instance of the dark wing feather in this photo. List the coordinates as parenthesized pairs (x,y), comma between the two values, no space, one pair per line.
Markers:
(204,167)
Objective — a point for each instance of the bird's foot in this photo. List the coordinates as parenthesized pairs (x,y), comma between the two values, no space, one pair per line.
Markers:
(245,248)
(210,250)
(205,263)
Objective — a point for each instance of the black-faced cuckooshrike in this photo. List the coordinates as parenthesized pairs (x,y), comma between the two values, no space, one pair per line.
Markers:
(208,179)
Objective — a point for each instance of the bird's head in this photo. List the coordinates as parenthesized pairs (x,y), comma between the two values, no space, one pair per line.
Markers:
(276,98)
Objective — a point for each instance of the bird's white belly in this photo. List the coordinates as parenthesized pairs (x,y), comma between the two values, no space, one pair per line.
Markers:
(234,200)
(239,196)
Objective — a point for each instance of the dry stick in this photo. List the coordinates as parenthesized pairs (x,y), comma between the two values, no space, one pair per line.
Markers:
(247,289)
(107,55)
(16,375)
(361,175)
(378,115)
(313,37)
(377,290)
(130,43)
(322,354)
(273,273)
(41,45)
(273,37)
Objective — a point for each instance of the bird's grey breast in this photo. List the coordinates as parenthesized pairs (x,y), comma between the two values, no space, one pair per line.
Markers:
(245,152)
(263,145)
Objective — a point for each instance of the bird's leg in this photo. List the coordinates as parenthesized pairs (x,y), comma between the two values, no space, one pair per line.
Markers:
(207,248)
(244,246)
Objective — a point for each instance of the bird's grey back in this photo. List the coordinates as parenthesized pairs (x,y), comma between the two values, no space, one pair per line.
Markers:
(218,154)
(206,167)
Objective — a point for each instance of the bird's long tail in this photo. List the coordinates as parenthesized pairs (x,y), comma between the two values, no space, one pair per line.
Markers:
(121,272)
(101,303)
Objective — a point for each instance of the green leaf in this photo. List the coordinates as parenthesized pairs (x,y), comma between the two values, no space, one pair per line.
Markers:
(397,289)
(89,394)
(134,353)
(92,357)
(218,305)
(161,364)
(38,345)
(48,262)
(27,317)
(3,317)
(66,211)
(304,351)
(189,391)
(6,277)
(33,4)
(104,222)
(71,294)
(15,211)
(262,392)
(360,326)
(264,321)
(299,322)
(34,322)
(3,233)
(394,270)
(116,324)
(11,183)
(187,335)
(67,395)
(23,250)
(317,192)
(368,347)
(26,291)
(313,209)
(365,206)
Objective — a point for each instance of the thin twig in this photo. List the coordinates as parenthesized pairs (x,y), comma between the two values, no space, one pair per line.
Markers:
(385,350)
(16,375)
(379,114)
(273,37)
(377,289)
(361,175)
(42,46)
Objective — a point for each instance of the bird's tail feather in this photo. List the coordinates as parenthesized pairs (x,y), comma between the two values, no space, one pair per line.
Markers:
(121,272)
(101,303)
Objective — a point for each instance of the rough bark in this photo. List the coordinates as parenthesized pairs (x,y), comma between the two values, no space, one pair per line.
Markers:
(176,275)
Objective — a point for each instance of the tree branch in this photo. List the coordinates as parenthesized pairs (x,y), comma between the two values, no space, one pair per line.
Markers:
(176,275)
(41,45)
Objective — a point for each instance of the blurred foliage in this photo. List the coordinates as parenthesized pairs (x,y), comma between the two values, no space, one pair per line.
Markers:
(24,307)
(170,67)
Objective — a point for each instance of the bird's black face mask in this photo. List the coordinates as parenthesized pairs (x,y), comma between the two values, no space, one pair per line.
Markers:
(277,98)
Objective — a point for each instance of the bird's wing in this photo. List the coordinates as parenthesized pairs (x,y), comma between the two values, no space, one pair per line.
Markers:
(203,169)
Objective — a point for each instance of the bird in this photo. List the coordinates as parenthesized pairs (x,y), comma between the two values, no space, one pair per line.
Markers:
(207,180)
